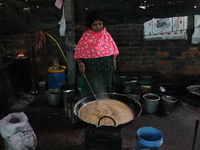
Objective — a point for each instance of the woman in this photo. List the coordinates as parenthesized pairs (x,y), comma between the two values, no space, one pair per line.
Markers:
(95,55)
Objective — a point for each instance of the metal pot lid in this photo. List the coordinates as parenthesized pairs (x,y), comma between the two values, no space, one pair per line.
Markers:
(59,69)
(194,89)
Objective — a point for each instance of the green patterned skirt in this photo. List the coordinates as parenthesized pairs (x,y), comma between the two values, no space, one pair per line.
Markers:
(100,74)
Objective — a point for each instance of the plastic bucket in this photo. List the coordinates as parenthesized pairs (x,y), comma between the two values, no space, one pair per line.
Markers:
(56,77)
(168,103)
(81,86)
(149,138)
(54,96)
(151,102)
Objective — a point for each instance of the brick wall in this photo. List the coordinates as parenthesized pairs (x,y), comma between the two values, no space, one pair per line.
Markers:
(167,58)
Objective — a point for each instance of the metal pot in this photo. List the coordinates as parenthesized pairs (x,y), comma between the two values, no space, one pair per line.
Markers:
(131,102)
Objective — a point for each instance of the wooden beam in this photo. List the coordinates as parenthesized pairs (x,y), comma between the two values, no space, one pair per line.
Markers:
(70,40)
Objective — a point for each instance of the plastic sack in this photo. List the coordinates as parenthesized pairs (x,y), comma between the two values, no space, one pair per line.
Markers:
(17,132)
(195,36)
(62,24)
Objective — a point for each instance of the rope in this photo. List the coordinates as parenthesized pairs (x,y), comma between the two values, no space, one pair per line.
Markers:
(57,45)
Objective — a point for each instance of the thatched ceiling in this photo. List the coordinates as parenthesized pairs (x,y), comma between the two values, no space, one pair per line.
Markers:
(33,15)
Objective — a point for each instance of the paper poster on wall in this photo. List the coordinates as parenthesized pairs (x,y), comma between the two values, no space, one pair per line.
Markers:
(166,28)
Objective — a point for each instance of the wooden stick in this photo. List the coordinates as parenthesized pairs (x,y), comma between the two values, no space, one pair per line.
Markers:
(195,133)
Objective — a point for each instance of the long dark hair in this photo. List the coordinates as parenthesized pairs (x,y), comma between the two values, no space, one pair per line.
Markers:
(92,16)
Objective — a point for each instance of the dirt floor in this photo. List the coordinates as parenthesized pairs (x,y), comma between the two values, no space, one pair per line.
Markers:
(55,131)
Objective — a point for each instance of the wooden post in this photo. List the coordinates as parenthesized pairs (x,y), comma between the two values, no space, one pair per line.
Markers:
(70,40)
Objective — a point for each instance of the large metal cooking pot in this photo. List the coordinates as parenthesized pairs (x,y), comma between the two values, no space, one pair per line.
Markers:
(194,89)
(131,102)
(194,95)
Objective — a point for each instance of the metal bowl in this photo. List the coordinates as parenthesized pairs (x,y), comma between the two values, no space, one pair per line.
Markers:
(169,89)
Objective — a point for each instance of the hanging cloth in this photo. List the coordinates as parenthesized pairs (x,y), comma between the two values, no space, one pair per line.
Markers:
(59,3)
(41,44)
(62,24)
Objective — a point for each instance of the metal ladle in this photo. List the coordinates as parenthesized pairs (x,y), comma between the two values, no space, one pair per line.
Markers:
(93,93)
(90,88)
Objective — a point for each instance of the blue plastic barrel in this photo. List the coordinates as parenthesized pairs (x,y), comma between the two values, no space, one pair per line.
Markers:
(57,77)
(149,138)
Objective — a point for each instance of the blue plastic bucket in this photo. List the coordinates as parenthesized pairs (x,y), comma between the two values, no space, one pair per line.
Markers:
(57,77)
(149,138)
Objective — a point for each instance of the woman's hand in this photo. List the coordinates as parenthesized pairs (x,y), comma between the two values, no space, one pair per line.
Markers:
(81,65)
(82,68)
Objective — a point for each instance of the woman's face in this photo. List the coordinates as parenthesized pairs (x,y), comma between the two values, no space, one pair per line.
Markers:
(97,26)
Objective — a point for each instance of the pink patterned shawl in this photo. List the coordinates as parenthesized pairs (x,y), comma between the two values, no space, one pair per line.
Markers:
(96,44)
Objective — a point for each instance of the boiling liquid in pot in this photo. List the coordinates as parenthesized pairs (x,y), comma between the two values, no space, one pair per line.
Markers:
(93,111)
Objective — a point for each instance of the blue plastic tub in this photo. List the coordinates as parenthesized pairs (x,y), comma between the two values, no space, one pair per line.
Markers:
(57,77)
(149,138)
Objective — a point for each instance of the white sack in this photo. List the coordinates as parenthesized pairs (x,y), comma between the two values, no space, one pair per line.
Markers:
(17,132)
